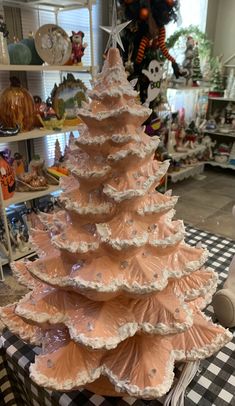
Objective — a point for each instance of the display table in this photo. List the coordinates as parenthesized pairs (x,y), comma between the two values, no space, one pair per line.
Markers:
(213,385)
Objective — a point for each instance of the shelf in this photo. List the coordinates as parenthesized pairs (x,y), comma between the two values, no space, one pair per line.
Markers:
(224,166)
(190,88)
(20,197)
(231,135)
(177,156)
(222,99)
(18,255)
(187,172)
(46,68)
(36,133)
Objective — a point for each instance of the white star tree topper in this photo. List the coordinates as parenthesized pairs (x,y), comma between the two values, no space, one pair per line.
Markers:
(115,30)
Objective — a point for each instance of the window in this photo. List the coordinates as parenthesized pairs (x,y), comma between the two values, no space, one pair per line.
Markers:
(191,13)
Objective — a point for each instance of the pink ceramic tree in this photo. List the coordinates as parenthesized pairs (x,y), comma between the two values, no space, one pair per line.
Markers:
(117,293)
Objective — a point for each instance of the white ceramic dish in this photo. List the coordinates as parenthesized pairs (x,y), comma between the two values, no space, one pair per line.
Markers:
(53,44)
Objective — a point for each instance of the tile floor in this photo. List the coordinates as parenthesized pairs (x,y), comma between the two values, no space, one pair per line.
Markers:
(205,202)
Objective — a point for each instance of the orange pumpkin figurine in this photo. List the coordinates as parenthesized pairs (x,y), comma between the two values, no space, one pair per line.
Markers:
(17,106)
(7,178)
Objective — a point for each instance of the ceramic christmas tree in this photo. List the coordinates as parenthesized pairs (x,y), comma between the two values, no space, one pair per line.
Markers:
(117,294)
(197,74)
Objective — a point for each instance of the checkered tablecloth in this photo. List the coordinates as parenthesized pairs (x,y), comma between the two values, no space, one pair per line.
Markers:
(214,384)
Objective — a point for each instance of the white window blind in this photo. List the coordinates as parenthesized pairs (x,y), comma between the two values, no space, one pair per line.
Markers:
(42,83)
(13,146)
(46,150)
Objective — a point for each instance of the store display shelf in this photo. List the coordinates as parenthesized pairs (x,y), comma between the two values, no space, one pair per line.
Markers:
(177,156)
(222,99)
(223,134)
(30,252)
(224,166)
(20,197)
(36,133)
(46,68)
(186,172)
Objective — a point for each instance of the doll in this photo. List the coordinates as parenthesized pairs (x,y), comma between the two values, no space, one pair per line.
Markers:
(147,30)
(78,47)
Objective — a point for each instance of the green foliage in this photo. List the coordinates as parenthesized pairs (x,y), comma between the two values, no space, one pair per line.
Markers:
(203,43)
(61,108)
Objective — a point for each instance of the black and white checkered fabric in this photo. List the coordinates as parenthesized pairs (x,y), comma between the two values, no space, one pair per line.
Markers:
(214,384)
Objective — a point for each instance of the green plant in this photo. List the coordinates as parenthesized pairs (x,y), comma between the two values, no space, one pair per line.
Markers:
(204,43)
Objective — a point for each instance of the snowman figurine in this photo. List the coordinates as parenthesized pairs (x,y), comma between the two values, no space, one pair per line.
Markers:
(154,74)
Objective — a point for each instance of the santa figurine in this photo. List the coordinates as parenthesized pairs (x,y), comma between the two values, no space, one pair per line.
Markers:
(78,47)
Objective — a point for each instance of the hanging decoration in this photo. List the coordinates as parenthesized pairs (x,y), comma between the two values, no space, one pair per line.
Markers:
(154,74)
(144,39)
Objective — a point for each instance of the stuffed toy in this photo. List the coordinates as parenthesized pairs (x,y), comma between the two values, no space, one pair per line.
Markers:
(224,300)
(78,47)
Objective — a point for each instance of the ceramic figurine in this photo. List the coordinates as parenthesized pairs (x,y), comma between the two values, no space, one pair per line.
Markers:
(171,144)
(8,132)
(121,294)
(7,178)
(16,107)
(154,75)
(78,47)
